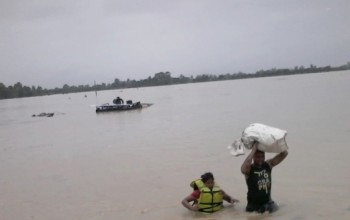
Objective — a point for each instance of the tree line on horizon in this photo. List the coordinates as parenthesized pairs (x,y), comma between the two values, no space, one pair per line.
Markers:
(162,78)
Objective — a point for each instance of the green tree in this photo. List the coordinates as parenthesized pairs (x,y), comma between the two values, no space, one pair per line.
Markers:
(18,90)
(116,83)
(162,78)
(3,91)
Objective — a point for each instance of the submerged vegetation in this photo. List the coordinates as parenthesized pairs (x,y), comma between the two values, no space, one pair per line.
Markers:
(162,78)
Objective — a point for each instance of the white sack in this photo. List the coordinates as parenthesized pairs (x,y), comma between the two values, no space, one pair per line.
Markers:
(269,139)
(236,148)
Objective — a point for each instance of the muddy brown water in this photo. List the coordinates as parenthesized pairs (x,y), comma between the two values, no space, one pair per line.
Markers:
(138,164)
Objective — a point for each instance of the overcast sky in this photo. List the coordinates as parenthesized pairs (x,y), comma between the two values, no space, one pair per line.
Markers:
(55,42)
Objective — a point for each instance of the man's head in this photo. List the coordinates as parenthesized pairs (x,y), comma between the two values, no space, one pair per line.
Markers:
(259,157)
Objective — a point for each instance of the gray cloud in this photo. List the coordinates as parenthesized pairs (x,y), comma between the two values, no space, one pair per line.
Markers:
(51,43)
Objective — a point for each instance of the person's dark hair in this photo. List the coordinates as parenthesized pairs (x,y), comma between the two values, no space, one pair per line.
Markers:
(205,177)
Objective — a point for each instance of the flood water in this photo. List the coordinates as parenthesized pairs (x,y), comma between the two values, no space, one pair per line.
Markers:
(138,164)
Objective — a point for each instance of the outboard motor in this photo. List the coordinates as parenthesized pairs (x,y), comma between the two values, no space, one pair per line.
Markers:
(138,104)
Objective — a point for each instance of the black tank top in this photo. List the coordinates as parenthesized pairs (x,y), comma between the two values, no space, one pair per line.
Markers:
(259,184)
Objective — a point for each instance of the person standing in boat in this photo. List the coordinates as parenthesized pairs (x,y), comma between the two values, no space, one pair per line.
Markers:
(207,196)
(118,100)
(257,173)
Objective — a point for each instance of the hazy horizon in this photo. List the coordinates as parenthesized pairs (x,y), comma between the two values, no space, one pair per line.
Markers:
(173,76)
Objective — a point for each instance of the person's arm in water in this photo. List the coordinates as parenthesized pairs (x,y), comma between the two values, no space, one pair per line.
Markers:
(186,203)
(245,168)
(277,159)
(229,198)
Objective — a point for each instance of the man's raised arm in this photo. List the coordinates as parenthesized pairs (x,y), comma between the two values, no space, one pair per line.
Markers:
(245,168)
(278,158)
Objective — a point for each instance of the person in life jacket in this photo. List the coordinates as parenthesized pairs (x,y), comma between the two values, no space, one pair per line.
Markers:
(257,173)
(207,196)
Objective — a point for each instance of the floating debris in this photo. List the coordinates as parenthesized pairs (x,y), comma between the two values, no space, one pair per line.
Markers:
(44,114)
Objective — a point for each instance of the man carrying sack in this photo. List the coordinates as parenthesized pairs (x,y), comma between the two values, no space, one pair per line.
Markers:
(260,139)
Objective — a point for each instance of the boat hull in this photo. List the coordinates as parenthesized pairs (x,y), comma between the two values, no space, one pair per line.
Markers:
(118,107)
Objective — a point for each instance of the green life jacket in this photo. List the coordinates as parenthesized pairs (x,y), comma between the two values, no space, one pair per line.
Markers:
(210,200)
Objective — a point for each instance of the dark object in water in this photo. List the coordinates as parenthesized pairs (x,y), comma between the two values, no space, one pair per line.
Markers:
(118,107)
(121,107)
(44,114)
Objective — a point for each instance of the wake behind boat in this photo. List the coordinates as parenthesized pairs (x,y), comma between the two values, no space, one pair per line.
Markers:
(120,106)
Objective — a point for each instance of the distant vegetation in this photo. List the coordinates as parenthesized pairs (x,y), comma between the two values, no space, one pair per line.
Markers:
(162,78)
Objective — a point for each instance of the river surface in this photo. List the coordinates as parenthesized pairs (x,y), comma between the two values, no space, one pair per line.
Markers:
(138,164)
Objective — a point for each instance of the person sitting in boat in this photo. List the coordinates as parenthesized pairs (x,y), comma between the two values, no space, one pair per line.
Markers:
(118,100)
(207,196)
